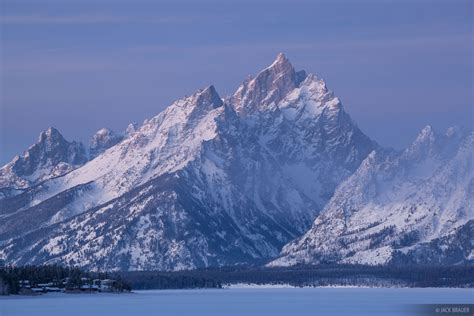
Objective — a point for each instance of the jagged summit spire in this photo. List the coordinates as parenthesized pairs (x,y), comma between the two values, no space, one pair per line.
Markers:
(424,144)
(426,133)
(281,56)
(50,156)
(280,60)
(131,128)
(50,133)
(281,65)
(208,96)
(103,139)
(209,91)
(269,86)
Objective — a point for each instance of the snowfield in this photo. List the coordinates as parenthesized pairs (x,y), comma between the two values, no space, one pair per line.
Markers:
(238,302)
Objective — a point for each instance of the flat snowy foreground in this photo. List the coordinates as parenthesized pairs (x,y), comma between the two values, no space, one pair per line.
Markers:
(238,301)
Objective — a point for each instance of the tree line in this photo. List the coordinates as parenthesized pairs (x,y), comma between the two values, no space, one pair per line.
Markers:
(308,275)
(302,275)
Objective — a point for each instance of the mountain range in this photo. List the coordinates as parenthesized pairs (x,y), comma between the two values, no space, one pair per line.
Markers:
(277,173)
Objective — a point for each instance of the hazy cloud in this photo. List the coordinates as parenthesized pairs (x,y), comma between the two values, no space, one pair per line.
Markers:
(88,19)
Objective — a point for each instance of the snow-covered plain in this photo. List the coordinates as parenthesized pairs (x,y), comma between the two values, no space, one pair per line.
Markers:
(249,301)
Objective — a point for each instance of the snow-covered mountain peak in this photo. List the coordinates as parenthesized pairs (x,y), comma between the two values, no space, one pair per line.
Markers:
(430,143)
(50,156)
(51,145)
(186,112)
(268,87)
(104,131)
(424,144)
(202,101)
(131,128)
(427,133)
(279,87)
(48,141)
(309,100)
(281,58)
(102,140)
(103,134)
(51,134)
(208,98)
(453,131)
(281,64)
(456,133)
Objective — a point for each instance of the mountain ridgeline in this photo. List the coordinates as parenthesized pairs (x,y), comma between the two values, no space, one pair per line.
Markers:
(277,173)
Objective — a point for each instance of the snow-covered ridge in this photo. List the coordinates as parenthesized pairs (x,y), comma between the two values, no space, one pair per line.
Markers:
(398,207)
(161,145)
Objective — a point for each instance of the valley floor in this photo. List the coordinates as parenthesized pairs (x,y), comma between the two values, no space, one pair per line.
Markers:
(240,301)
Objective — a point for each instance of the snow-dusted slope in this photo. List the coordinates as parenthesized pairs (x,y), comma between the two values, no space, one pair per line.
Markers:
(415,206)
(50,157)
(206,182)
(164,144)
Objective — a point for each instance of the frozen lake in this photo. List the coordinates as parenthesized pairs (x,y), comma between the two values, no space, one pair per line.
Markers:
(237,301)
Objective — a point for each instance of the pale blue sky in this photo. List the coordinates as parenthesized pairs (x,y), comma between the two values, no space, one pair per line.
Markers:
(83,65)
